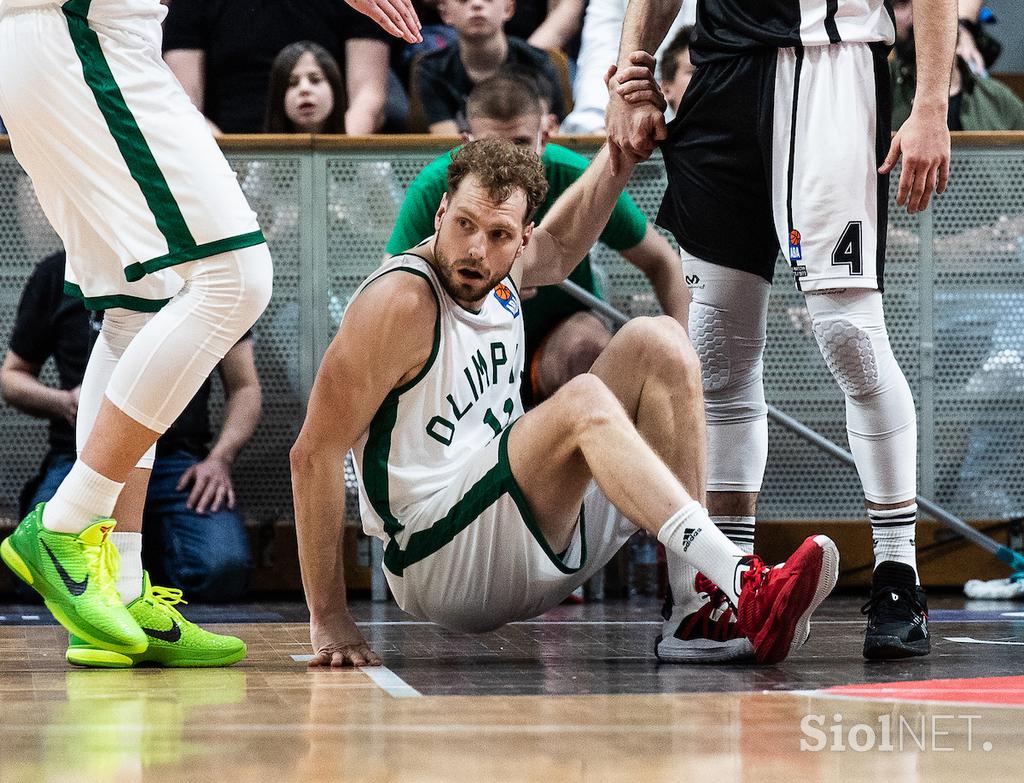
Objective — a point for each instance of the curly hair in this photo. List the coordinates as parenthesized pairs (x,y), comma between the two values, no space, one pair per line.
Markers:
(501,167)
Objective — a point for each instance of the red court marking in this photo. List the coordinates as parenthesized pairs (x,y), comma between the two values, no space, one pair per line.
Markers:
(976,690)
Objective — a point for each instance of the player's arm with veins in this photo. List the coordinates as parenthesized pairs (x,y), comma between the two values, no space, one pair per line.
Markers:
(573,224)
(923,140)
(385,338)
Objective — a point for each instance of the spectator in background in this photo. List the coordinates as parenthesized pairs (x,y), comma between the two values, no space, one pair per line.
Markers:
(676,68)
(306,93)
(443,79)
(976,103)
(222,51)
(195,539)
(548,25)
(563,337)
(602,29)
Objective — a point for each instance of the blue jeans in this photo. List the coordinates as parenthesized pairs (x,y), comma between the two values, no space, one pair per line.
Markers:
(206,555)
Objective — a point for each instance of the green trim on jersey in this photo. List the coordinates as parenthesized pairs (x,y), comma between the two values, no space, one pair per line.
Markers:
(114,300)
(138,156)
(495,483)
(378,441)
(137,271)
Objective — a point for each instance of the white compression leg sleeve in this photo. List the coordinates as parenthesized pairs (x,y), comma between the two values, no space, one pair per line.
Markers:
(728,319)
(119,329)
(170,358)
(881,420)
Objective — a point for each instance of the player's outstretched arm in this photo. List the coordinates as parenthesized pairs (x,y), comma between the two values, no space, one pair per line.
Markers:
(397,17)
(384,339)
(574,222)
(924,138)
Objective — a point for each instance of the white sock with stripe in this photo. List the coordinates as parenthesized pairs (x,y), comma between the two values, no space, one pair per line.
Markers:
(739,530)
(692,539)
(893,533)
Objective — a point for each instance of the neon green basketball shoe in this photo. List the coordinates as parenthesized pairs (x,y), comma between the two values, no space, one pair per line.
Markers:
(173,640)
(76,576)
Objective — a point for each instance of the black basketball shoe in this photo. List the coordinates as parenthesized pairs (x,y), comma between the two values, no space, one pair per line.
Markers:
(897,615)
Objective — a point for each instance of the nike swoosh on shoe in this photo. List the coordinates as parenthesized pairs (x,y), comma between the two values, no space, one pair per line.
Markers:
(75,588)
(171,635)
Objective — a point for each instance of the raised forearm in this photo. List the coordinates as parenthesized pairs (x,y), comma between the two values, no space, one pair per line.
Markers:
(935,24)
(646,25)
(576,220)
(318,487)
(241,417)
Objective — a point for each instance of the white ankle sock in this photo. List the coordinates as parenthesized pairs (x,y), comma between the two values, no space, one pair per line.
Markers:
(691,537)
(82,498)
(129,577)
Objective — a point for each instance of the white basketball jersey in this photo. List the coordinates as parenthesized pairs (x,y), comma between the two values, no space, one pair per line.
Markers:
(427,430)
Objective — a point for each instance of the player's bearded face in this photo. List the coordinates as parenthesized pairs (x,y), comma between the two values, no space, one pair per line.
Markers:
(477,241)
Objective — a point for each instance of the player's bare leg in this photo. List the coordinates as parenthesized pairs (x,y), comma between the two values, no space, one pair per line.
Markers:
(585,431)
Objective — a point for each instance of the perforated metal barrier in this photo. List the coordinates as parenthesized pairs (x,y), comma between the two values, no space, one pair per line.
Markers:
(954,303)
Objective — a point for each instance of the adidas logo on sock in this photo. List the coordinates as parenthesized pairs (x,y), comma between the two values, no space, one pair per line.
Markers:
(689,534)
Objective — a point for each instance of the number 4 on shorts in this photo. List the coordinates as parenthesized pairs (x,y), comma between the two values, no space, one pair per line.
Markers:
(848,249)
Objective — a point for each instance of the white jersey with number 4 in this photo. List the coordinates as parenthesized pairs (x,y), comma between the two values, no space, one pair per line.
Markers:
(427,431)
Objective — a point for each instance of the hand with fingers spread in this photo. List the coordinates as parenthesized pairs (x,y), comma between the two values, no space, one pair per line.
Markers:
(338,642)
(397,17)
(634,128)
(923,141)
(212,489)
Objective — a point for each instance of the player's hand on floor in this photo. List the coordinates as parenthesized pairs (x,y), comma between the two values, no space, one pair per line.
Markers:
(338,642)
(924,143)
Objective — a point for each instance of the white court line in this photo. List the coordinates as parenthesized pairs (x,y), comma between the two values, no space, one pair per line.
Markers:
(383,678)
(30,617)
(970,640)
(395,686)
(879,698)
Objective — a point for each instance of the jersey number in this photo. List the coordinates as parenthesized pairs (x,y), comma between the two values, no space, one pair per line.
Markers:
(848,250)
(492,421)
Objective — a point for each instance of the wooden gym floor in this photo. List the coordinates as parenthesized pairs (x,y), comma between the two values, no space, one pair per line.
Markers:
(574,696)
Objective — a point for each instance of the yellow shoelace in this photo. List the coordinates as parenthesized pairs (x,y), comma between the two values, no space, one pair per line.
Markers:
(104,562)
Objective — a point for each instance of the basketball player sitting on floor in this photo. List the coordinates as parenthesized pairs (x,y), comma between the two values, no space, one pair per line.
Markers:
(491,515)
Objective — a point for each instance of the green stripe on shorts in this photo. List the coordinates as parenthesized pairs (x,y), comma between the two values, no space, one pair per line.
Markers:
(125,130)
(137,155)
(115,300)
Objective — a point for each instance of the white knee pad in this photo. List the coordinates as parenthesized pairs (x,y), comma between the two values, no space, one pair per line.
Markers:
(727,327)
(171,357)
(119,329)
(881,421)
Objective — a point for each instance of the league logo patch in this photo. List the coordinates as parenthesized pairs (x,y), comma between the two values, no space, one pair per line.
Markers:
(508,299)
(795,253)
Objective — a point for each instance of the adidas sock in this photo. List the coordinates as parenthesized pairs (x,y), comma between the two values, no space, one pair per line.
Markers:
(129,577)
(690,536)
(739,530)
(83,497)
(893,532)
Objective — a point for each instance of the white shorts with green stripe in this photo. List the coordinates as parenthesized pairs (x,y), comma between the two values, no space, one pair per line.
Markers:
(124,166)
(473,558)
